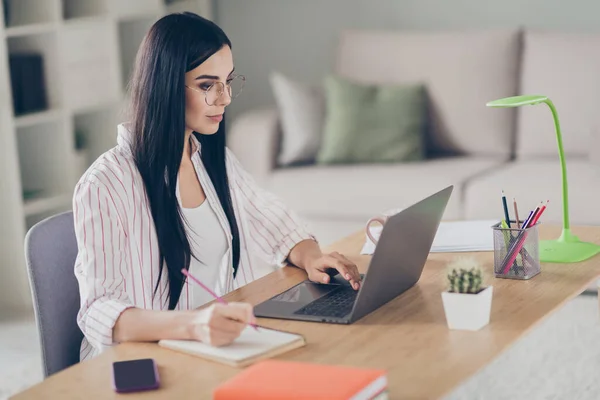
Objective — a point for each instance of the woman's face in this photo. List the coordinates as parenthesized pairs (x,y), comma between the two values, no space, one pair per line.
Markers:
(199,115)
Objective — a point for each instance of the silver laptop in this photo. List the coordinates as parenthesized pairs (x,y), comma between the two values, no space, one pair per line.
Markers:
(395,267)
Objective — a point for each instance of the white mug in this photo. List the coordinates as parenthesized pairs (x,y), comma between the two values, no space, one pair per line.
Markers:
(381,219)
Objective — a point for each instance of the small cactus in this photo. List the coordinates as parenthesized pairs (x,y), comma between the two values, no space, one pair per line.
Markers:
(464,276)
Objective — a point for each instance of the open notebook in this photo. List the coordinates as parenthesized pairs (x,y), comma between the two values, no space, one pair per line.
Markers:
(251,346)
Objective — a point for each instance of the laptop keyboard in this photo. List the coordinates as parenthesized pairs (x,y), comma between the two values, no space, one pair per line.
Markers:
(337,303)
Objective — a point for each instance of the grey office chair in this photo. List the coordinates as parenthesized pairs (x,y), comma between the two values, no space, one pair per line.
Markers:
(50,251)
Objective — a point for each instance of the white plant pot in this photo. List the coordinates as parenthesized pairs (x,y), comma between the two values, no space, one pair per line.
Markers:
(468,311)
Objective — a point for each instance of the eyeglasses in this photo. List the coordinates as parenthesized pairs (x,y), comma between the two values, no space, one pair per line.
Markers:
(213,93)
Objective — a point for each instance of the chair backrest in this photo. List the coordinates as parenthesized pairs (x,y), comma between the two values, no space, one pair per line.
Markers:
(50,251)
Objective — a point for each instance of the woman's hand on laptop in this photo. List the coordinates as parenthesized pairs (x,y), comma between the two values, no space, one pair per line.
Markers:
(328,265)
(321,267)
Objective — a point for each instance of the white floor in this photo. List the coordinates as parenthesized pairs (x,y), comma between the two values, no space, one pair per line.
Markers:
(560,359)
(20,362)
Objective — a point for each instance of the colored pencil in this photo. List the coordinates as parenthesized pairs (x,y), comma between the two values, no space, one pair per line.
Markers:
(516,213)
(539,214)
(533,216)
(505,206)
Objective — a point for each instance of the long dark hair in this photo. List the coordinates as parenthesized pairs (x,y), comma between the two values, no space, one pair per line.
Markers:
(174,45)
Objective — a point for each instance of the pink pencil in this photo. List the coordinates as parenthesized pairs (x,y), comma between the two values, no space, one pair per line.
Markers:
(515,252)
(539,214)
(203,286)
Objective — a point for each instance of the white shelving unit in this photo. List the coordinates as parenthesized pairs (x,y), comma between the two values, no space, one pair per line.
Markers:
(87,48)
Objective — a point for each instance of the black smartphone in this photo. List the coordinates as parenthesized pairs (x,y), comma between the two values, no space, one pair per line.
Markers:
(135,375)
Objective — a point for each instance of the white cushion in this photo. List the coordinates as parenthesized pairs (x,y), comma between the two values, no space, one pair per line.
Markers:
(534,181)
(566,68)
(462,72)
(253,137)
(302,112)
(358,192)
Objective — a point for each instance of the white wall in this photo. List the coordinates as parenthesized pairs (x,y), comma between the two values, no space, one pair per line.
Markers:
(298,37)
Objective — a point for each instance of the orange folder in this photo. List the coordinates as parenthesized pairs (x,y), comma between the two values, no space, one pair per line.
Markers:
(280,380)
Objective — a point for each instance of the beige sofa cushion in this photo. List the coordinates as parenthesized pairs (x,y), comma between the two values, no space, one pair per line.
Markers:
(594,154)
(360,191)
(533,181)
(462,71)
(566,68)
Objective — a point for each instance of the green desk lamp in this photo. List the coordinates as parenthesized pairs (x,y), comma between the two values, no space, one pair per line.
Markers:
(567,248)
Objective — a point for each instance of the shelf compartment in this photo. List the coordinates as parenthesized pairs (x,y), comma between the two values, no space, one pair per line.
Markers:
(74,9)
(49,211)
(131,34)
(91,72)
(200,7)
(135,8)
(44,203)
(30,29)
(44,159)
(22,13)
(44,45)
(41,117)
(94,133)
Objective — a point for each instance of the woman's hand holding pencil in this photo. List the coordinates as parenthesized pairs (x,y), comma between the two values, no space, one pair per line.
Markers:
(220,323)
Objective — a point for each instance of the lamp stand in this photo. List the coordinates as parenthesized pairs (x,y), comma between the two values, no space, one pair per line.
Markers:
(567,248)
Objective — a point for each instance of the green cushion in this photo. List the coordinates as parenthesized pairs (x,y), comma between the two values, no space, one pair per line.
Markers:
(372,123)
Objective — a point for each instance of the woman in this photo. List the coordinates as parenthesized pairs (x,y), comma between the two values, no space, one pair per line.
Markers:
(170,195)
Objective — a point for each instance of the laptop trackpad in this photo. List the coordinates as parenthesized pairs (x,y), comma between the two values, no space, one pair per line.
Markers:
(304,293)
(294,298)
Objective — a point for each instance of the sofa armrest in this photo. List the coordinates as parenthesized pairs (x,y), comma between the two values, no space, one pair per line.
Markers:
(254,139)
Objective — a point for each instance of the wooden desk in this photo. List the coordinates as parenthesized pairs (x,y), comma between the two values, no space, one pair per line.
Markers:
(408,336)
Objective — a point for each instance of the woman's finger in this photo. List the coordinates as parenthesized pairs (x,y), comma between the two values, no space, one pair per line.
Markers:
(242,312)
(221,338)
(221,323)
(352,269)
(339,265)
(318,276)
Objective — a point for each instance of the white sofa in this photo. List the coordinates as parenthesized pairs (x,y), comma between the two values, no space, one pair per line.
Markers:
(478,149)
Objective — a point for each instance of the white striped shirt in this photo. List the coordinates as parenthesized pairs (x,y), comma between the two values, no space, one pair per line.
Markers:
(117,265)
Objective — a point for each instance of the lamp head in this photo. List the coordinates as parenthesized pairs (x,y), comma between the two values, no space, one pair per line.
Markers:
(517,101)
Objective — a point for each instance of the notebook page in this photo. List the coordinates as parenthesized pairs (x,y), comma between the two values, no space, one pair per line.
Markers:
(249,344)
(465,235)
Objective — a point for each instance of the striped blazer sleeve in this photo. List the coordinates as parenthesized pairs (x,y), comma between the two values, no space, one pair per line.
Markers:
(274,228)
(101,263)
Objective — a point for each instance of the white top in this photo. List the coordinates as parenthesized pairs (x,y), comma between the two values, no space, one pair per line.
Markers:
(117,264)
(209,245)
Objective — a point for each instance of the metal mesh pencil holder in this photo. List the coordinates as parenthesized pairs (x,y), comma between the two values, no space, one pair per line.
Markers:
(516,252)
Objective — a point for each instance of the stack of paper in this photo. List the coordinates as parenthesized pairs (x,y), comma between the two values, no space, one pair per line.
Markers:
(459,236)
(464,236)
